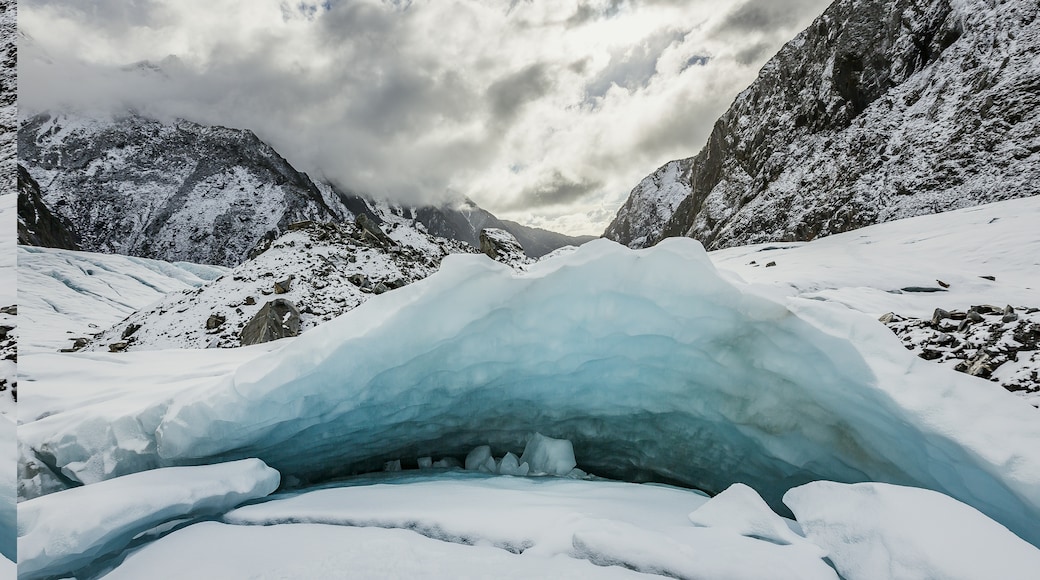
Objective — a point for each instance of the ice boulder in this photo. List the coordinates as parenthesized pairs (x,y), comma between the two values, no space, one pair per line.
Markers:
(548,455)
(876,530)
(741,510)
(63,531)
(653,365)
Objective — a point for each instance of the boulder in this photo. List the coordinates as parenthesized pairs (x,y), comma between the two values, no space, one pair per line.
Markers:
(277,319)
(502,246)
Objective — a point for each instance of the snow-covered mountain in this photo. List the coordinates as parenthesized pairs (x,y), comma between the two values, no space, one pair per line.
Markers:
(176,191)
(881,109)
(181,191)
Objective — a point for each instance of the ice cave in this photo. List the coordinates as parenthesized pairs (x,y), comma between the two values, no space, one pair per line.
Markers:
(655,367)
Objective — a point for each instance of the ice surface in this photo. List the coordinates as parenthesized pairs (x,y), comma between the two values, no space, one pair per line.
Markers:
(653,365)
(740,509)
(60,532)
(643,527)
(67,295)
(548,455)
(307,551)
(8,461)
(875,530)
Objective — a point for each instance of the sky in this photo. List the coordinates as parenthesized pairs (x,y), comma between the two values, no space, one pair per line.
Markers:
(544,112)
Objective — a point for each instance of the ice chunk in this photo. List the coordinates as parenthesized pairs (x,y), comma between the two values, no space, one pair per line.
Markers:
(394,465)
(478,458)
(447,463)
(509,465)
(59,532)
(740,509)
(877,530)
(548,455)
(425,462)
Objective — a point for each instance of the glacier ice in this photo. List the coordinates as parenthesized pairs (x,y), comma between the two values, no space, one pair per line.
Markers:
(876,530)
(63,531)
(548,455)
(654,366)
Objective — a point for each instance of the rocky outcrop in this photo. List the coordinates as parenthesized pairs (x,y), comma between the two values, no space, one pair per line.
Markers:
(37,224)
(501,246)
(1000,344)
(277,319)
(881,109)
(324,269)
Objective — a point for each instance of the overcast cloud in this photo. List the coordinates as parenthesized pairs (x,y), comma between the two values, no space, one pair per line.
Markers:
(544,112)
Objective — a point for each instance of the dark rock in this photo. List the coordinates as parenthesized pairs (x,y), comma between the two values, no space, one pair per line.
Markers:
(12,310)
(938,315)
(215,321)
(130,330)
(941,283)
(380,288)
(974,316)
(770,264)
(118,346)
(283,286)
(887,317)
(370,231)
(37,224)
(359,280)
(985,309)
(922,289)
(277,319)
(501,246)
(249,301)
(990,278)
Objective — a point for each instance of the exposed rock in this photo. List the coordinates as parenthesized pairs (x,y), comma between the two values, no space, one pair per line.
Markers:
(130,330)
(982,343)
(215,321)
(37,224)
(283,286)
(118,346)
(881,109)
(501,246)
(371,231)
(277,319)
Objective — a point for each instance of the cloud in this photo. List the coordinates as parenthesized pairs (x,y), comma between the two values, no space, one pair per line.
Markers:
(543,112)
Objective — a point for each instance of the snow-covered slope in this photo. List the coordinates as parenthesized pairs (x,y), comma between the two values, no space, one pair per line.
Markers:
(912,267)
(881,109)
(331,268)
(70,295)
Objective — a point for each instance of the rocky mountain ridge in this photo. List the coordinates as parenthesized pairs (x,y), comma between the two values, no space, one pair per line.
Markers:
(181,191)
(881,109)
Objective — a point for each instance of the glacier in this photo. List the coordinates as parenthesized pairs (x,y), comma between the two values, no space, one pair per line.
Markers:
(653,365)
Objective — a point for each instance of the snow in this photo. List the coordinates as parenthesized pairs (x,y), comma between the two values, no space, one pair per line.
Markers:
(741,510)
(648,361)
(68,295)
(63,531)
(540,526)
(875,530)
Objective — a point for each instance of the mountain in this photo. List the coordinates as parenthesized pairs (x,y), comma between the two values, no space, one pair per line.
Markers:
(881,109)
(181,191)
(176,191)
(464,220)
(321,269)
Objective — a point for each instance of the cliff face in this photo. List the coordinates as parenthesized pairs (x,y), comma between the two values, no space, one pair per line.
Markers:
(881,109)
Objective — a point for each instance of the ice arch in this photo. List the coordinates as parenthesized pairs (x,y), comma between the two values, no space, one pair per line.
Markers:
(649,361)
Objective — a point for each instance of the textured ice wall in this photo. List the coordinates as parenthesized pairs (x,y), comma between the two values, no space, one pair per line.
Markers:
(648,361)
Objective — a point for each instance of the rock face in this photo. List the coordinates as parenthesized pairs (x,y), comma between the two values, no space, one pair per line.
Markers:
(37,224)
(501,246)
(278,318)
(881,109)
(174,191)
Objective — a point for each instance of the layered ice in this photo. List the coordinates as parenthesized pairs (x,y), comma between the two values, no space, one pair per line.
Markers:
(654,366)
(875,530)
(61,532)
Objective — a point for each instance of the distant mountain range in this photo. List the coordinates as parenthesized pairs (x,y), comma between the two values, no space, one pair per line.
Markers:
(181,191)
(881,109)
